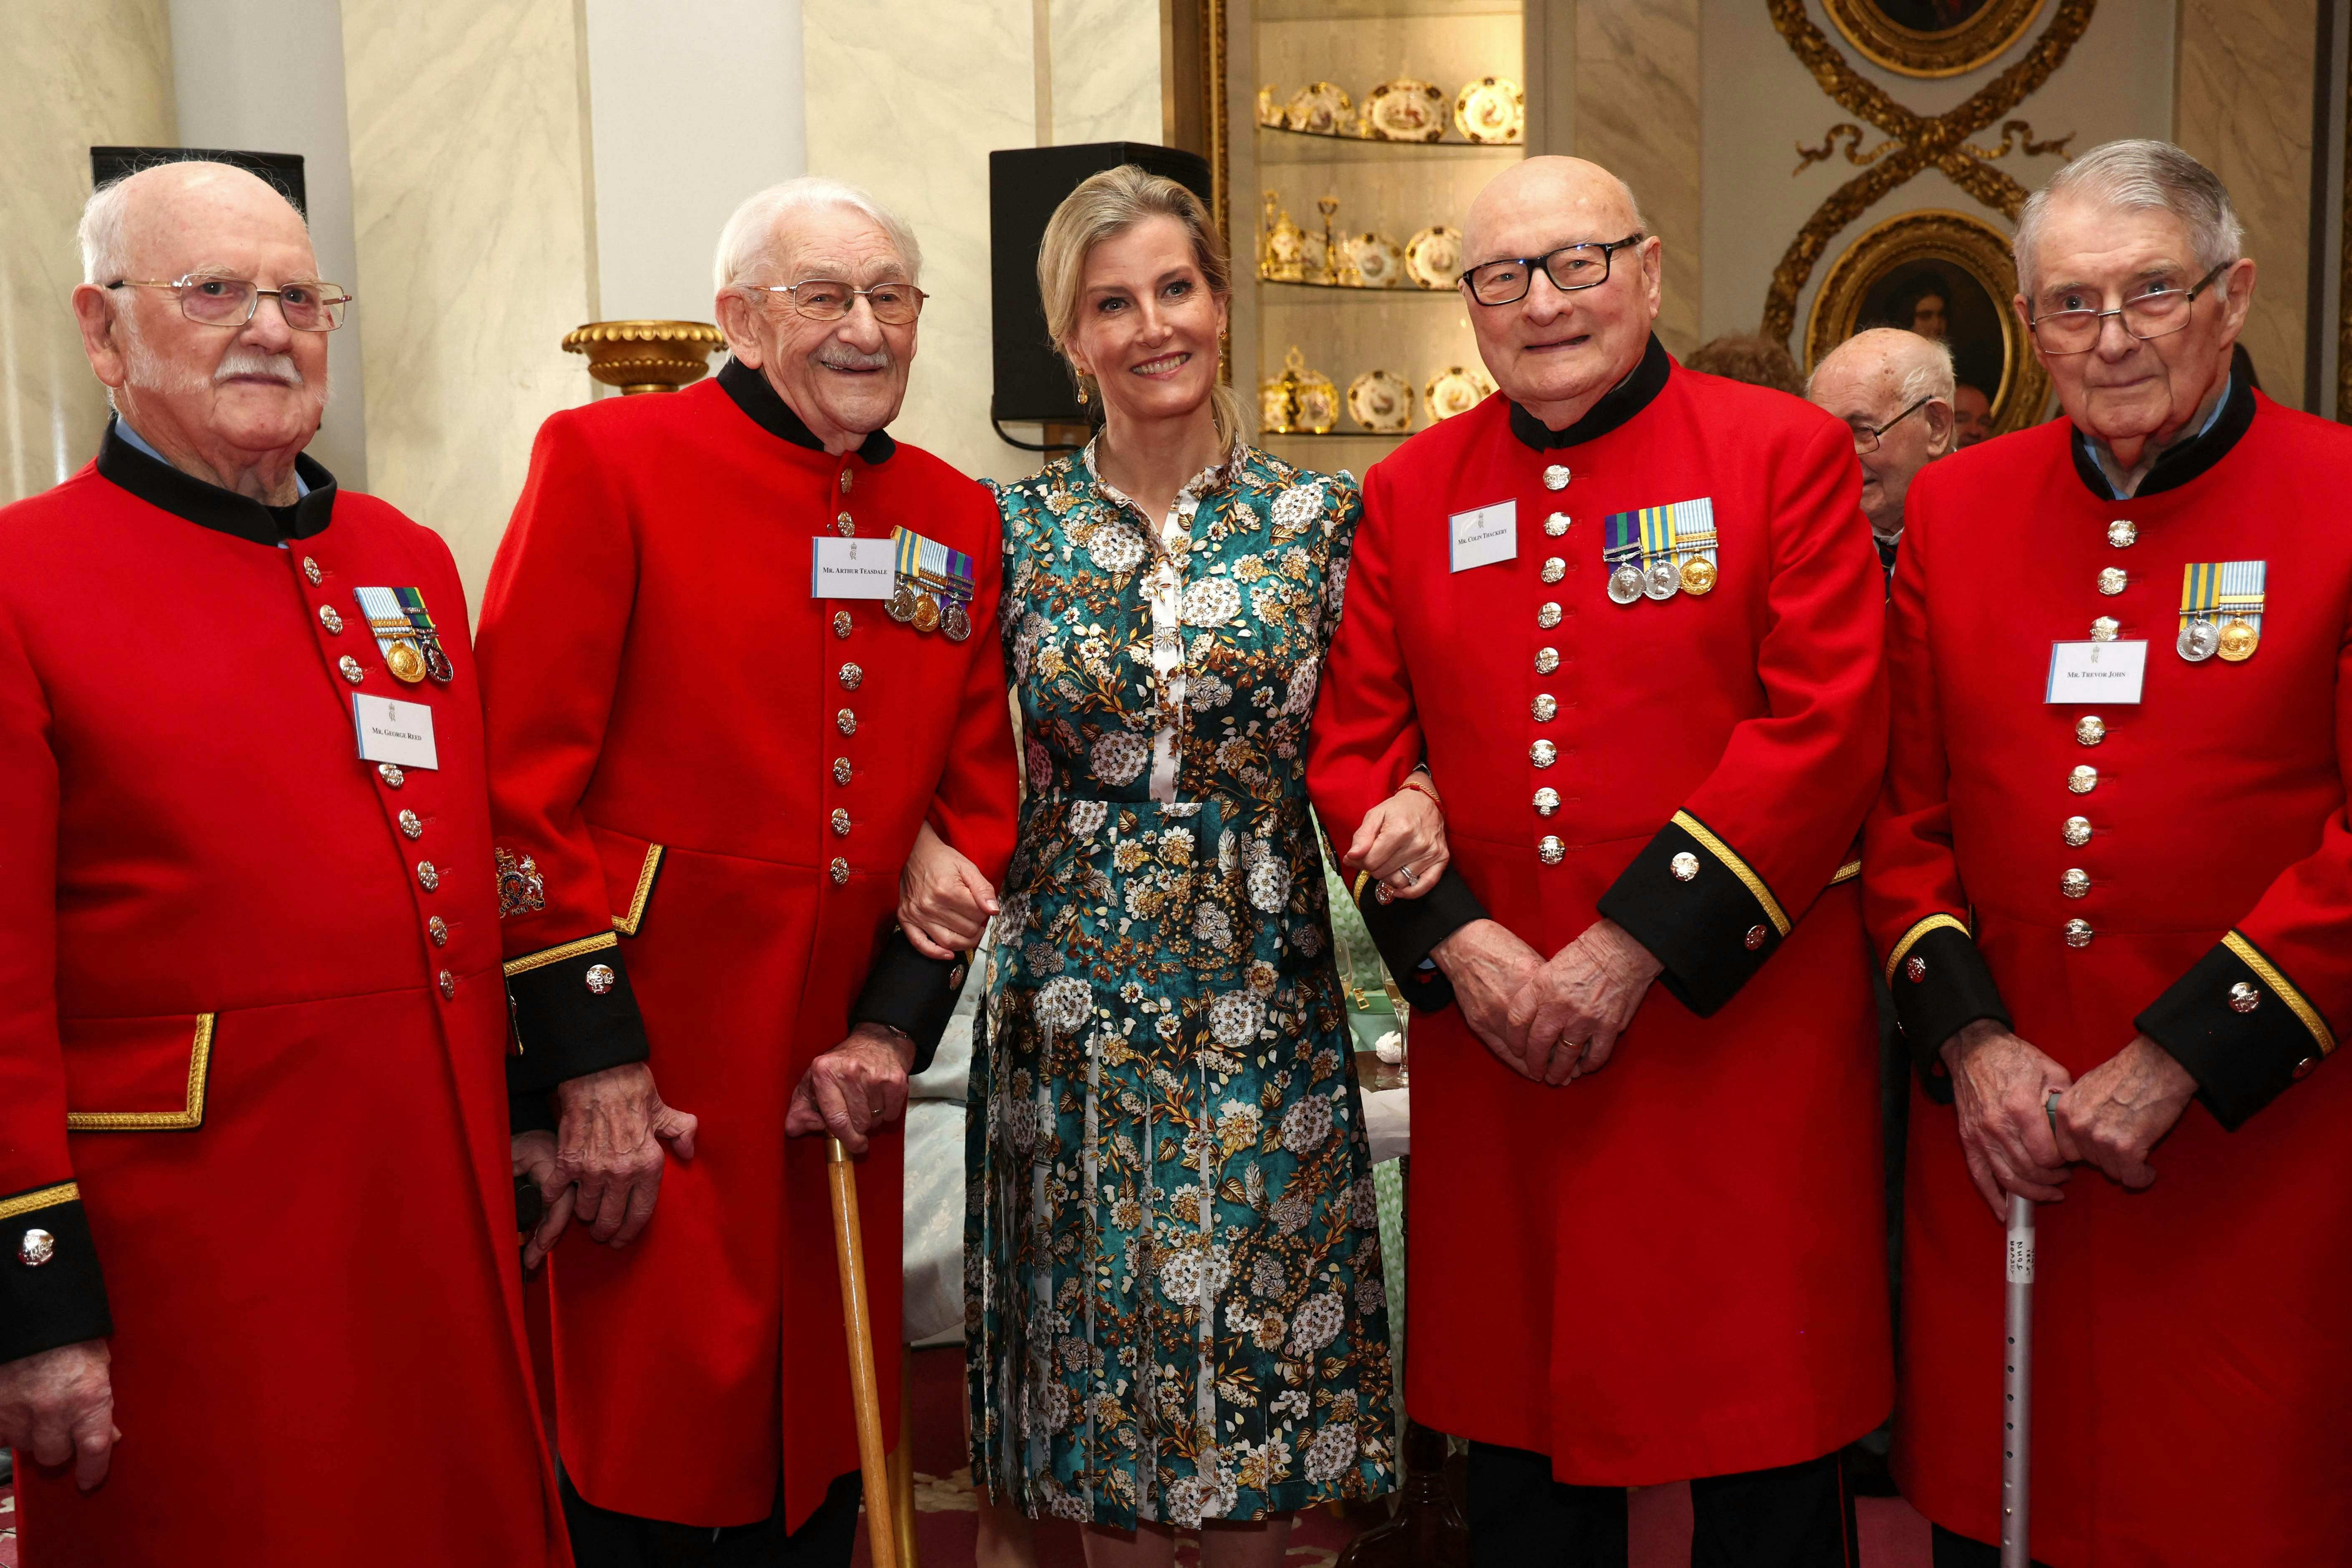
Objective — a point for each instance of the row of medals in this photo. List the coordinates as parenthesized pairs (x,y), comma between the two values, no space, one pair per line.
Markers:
(2200,640)
(919,608)
(1659,580)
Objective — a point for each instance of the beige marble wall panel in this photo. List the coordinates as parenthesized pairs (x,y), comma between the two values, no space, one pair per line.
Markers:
(469,180)
(1637,113)
(84,73)
(909,109)
(1106,73)
(2244,109)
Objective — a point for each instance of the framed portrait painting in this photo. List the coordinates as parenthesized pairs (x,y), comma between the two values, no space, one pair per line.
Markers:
(1932,37)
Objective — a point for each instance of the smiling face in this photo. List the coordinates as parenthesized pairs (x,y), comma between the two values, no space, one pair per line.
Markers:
(1147,324)
(1552,352)
(844,379)
(2125,389)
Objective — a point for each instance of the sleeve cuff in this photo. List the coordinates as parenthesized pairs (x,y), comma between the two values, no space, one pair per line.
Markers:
(1407,930)
(51,1292)
(912,994)
(573,1014)
(1701,909)
(1941,985)
(2241,1028)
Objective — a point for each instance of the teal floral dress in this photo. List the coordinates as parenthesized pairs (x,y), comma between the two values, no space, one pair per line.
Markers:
(1173,1298)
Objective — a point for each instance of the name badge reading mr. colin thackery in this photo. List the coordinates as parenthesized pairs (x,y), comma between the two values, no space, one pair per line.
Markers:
(2108,673)
(1484,536)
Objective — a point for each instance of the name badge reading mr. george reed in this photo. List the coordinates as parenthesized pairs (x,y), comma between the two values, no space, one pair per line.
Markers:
(404,634)
(393,731)
(932,591)
(1660,551)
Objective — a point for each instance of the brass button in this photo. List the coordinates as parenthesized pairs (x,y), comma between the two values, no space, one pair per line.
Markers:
(844,481)
(2076,832)
(841,622)
(845,722)
(1556,525)
(1685,866)
(1755,937)
(2243,998)
(2112,580)
(412,824)
(332,619)
(843,526)
(1547,661)
(2090,730)
(1556,476)
(840,822)
(427,875)
(1544,707)
(2081,778)
(2078,934)
(1550,850)
(599,978)
(852,677)
(2075,882)
(840,870)
(1554,568)
(1543,754)
(841,770)
(351,668)
(2123,533)
(1547,614)
(2105,628)
(2303,1069)
(393,775)
(439,929)
(1547,802)
(448,985)
(37,1248)
(1915,968)
(310,569)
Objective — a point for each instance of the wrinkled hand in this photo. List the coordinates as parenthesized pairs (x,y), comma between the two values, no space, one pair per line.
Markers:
(2000,1088)
(1572,1010)
(1489,966)
(59,1405)
(614,1125)
(534,1156)
(858,1085)
(2122,1108)
(944,903)
(1401,841)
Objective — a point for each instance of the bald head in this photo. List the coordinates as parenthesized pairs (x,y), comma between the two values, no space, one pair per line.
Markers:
(1540,204)
(1905,365)
(137,220)
(1894,390)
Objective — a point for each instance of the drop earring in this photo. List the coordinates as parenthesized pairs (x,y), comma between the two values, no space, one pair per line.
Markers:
(1082,392)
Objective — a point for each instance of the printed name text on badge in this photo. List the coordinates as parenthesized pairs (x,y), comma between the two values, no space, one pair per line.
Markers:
(394,731)
(852,569)
(2095,672)
(1482,537)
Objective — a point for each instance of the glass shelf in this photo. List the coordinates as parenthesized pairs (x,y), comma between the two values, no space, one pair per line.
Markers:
(1279,147)
(1365,10)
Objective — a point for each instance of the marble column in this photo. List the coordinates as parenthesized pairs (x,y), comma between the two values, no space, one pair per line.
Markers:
(84,73)
(1636,112)
(2244,109)
(472,199)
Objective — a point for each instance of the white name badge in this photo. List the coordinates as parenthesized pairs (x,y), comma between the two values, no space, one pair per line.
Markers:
(394,731)
(852,569)
(1485,536)
(2095,672)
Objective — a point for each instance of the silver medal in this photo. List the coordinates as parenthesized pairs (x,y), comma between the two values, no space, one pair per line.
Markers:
(1625,584)
(1659,580)
(2199,642)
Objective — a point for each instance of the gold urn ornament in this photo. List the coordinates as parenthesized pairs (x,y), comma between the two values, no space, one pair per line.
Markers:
(646,356)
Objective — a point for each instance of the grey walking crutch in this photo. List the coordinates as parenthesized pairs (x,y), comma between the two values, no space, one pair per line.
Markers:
(2017,1393)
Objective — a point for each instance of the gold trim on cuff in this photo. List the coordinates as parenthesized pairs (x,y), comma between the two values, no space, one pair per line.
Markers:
(1846,873)
(1739,868)
(545,956)
(2253,960)
(1911,939)
(191,1114)
(627,924)
(40,1197)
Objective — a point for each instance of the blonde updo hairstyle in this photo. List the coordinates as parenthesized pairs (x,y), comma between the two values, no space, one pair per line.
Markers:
(1104,206)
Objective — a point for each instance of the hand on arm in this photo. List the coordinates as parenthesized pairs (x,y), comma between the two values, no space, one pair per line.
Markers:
(610,1143)
(1573,1008)
(944,902)
(858,1085)
(1401,841)
(2120,1110)
(1488,967)
(2001,1092)
(58,1405)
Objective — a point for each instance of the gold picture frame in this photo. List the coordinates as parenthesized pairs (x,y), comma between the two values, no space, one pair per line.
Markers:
(1967,261)
(1889,33)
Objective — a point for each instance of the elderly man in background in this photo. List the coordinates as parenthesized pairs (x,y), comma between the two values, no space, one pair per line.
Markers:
(2111,876)
(252,1026)
(1623,610)
(740,650)
(1893,391)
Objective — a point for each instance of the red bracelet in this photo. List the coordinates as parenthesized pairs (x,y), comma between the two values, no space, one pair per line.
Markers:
(1420,789)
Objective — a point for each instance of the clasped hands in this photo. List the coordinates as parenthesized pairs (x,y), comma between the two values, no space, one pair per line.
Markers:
(1550,1021)
(2016,1140)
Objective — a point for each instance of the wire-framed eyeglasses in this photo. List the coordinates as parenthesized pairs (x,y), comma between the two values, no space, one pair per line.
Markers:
(212,301)
(830,299)
(1570,267)
(1867,437)
(2158,313)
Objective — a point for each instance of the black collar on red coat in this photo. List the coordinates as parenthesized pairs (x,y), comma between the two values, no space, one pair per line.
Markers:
(2183,463)
(1618,405)
(211,507)
(754,396)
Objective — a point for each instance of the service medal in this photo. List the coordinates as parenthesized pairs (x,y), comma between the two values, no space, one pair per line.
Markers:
(1698,575)
(927,613)
(2199,642)
(394,633)
(2222,609)
(428,636)
(2238,641)
(405,661)
(1625,584)
(1659,580)
(901,607)
(954,622)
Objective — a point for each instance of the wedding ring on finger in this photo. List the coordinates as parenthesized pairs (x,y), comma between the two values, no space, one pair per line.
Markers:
(1404,876)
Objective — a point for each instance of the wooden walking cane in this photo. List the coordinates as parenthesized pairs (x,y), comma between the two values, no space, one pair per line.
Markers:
(2017,1393)
(849,1257)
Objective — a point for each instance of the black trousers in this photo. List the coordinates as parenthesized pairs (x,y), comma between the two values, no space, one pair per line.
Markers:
(603,1539)
(1950,1550)
(1797,1516)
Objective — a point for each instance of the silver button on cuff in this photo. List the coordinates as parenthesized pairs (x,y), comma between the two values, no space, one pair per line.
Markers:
(1755,937)
(2243,998)
(599,978)
(1684,866)
(1915,968)
(36,1247)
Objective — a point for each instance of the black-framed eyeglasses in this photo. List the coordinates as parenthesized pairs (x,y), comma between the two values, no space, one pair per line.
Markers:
(830,299)
(1867,437)
(2157,313)
(308,307)
(1570,267)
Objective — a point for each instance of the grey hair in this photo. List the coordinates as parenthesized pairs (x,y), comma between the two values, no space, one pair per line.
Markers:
(2134,176)
(105,217)
(749,240)
(1929,371)
(1930,374)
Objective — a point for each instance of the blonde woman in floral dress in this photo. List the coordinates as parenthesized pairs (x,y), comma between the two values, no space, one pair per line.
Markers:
(1173,1302)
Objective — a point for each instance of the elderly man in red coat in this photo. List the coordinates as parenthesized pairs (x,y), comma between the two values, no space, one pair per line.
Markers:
(2111,878)
(1629,616)
(738,654)
(252,1026)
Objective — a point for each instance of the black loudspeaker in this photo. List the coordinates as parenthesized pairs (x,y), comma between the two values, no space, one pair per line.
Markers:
(282,170)
(1024,185)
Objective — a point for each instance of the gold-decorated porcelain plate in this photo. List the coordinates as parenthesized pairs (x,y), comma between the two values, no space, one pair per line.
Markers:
(1492,110)
(1269,108)
(1378,262)
(1320,109)
(1381,401)
(1405,110)
(1432,257)
(1453,391)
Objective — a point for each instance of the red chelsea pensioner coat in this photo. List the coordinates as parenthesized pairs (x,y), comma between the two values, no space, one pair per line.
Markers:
(251,1037)
(2192,1353)
(705,783)
(1672,1268)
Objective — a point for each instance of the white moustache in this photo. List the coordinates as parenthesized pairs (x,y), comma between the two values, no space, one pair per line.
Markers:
(837,358)
(238,362)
